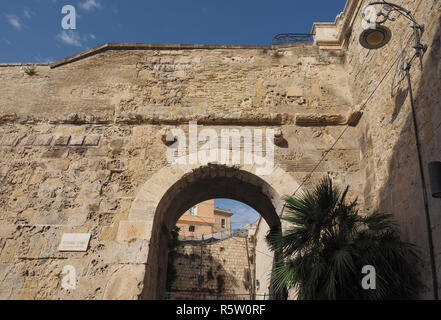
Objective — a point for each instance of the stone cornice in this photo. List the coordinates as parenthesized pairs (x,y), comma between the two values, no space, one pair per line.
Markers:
(239,118)
(150,46)
(23,64)
(331,35)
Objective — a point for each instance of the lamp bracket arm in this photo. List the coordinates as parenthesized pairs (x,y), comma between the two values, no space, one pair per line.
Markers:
(390,7)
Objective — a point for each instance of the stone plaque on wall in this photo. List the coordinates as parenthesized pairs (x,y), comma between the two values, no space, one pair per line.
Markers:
(75,242)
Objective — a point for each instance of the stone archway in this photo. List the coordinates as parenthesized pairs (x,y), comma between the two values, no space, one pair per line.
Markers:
(170,192)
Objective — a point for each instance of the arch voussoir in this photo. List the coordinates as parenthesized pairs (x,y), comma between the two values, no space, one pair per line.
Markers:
(171,190)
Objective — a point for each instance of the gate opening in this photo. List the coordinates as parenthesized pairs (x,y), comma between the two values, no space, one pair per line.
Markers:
(212,253)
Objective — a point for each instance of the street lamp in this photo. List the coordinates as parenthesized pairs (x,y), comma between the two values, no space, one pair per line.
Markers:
(377,36)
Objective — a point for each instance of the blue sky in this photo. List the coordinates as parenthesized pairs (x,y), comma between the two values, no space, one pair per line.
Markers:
(242,214)
(30,30)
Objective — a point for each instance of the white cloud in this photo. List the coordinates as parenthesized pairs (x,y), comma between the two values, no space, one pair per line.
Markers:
(44,59)
(70,37)
(90,5)
(14,21)
(242,216)
(27,13)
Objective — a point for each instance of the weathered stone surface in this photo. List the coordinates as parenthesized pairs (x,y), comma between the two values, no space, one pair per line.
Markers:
(76,140)
(225,266)
(43,140)
(125,283)
(4,269)
(92,140)
(36,245)
(294,92)
(7,230)
(5,293)
(133,230)
(119,99)
(9,251)
(9,140)
(29,140)
(24,294)
(62,140)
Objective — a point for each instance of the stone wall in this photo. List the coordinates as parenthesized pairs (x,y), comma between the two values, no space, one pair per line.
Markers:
(172,83)
(224,268)
(80,140)
(389,163)
(81,147)
(264,260)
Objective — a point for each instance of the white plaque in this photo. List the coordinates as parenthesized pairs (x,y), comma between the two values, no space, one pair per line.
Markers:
(74,242)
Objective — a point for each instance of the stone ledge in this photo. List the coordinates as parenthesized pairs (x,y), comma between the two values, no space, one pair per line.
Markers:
(331,35)
(24,64)
(237,118)
(324,120)
(151,46)
(314,120)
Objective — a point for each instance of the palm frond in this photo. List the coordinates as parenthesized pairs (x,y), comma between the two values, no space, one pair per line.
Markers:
(328,242)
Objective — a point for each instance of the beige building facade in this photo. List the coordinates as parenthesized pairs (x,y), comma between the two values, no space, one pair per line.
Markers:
(83,148)
(203,219)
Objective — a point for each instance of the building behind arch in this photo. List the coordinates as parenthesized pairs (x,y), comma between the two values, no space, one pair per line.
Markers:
(204,219)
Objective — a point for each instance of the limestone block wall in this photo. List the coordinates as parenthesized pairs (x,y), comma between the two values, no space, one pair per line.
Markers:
(298,88)
(389,163)
(264,261)
(173,83)
(79,140)
(221,267)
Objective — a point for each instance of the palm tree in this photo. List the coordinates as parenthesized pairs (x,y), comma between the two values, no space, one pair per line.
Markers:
(328,243)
